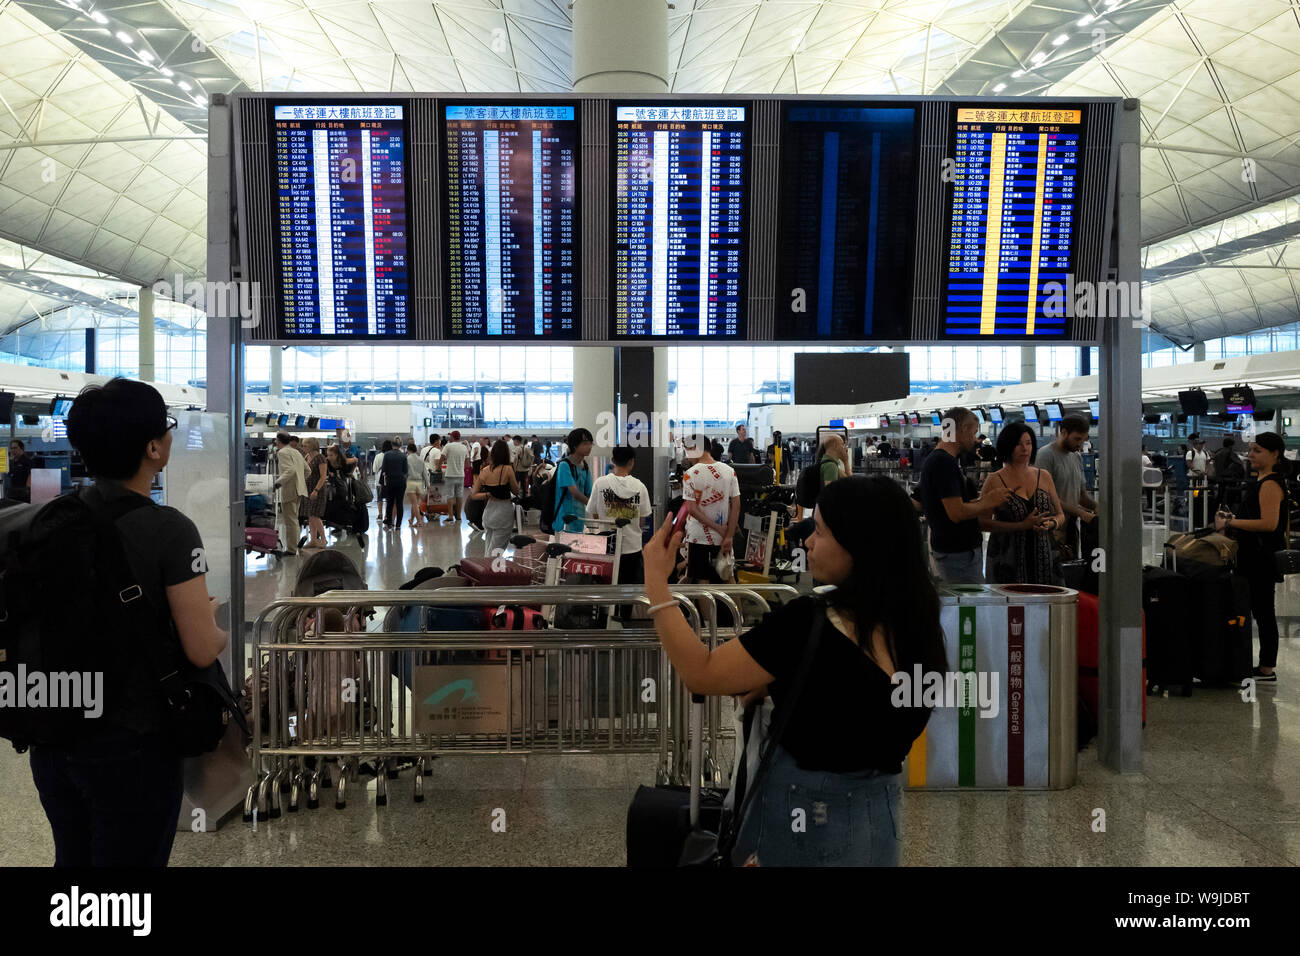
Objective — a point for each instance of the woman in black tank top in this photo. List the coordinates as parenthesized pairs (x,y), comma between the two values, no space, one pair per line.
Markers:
(1261,531)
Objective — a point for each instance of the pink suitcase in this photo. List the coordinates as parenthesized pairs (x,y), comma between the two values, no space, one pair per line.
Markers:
(480,573)
(261,540)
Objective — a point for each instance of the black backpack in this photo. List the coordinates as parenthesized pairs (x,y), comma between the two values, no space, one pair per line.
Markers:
(70,605)
(809,486)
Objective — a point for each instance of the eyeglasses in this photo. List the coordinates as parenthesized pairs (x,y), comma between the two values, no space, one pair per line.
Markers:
(171,423)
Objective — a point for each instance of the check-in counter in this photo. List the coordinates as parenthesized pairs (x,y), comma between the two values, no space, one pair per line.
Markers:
(1006,717)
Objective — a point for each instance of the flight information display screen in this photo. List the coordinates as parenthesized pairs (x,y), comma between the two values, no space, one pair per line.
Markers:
(341,220)
(1012,226)
(679,220)
(510,180)
(848,194)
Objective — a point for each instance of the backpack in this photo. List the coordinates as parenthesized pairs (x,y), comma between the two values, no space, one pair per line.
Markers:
(70,605)
(525,459)
(547,504)
(809,486)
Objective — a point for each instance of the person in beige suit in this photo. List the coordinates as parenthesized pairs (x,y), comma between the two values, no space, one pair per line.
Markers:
(292,483)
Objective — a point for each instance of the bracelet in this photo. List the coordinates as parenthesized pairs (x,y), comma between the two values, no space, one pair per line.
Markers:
(660,607)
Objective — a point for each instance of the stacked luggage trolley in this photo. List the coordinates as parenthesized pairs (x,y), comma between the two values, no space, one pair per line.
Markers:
(378,679)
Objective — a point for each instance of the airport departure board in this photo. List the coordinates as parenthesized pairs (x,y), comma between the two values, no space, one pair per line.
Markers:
(510,181)
(1012,227)
(679,221)
(342,220)
(847,195)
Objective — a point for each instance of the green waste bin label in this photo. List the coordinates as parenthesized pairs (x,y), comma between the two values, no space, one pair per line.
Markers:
(966,710)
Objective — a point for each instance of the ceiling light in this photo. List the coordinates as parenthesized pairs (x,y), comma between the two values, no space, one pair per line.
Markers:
(1018,74)
(999,88)
(201,101)
(98,17)
(184,86)
(1112,4)
(1061,39)
(146,56)
(124,37)
(1038,57)
(1086,20)
(166,71)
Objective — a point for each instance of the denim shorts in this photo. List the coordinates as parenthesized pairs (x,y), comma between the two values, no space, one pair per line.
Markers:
(815,818)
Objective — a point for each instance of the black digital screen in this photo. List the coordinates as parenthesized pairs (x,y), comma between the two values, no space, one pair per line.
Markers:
(1054,412)
(6,408)
(1239,400)
(848,194)
(1094,406)
(60,406)
(341,227)
(1011,237)
(510,187)
(679,220)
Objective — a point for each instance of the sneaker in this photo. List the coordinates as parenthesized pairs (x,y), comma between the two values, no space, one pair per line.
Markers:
(1260,676)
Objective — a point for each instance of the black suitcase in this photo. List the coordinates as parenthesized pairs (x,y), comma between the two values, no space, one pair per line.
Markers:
(1080,576)
(1221,617)
(474,509)
(1173,641)
(659,819)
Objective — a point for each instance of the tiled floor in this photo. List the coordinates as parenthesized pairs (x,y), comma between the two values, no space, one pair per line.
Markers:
(1220,786)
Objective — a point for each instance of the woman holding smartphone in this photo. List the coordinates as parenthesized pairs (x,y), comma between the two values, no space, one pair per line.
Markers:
(840,755)
(1021,548)
(1260,531)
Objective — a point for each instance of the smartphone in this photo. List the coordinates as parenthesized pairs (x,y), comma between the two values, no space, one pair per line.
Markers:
(679,525)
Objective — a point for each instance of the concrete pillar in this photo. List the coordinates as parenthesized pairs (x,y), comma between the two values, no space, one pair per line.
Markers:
(1028,364)
(147,370)
(1198,352)
(620,46)
(277,371)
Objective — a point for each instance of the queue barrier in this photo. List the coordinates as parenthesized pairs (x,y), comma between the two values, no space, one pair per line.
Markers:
(1013,722)
(331,693)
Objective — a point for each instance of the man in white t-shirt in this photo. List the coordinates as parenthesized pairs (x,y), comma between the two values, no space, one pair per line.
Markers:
(1197,457)
(454,453)
(713,492)
(620,495)
(433,458)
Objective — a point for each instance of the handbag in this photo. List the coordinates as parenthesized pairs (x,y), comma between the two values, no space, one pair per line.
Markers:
(1287,561)
(705,849)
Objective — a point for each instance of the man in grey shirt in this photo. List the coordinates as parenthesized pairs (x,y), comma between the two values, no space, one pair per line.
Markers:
(1064,463)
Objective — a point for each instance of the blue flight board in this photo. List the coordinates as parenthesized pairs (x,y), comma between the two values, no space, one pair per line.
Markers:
(847,213)
(510,188)
(1012,228)
(679,221)
(341,221)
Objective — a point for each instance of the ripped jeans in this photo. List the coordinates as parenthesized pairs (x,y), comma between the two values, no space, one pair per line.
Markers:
(847,819)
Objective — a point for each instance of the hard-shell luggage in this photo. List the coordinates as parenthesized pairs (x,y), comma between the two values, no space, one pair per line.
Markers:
(495,572)
(1088,649)
(1080,576)
(474,511)
(1171,636)
(1221,616)
(261,540)
(255,504)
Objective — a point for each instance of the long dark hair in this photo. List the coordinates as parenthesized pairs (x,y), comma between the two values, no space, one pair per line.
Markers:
(1272,441)
(500,453)
(873,519)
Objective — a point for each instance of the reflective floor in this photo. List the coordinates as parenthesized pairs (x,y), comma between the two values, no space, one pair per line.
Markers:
(1220,785)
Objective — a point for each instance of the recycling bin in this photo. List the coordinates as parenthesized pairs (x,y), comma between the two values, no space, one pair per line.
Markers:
(1005,715)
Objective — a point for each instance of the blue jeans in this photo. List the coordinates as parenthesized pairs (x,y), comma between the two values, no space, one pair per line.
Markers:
(111,801)
(848,819)
(959,567)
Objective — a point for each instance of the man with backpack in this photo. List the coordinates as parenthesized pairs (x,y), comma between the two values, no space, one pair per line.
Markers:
(105,581)
(523,464)
(833,464)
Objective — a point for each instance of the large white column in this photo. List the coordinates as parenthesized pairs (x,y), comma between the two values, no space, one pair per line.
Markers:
(620,46)
(1198,352)
(1028,364)
(277,371)
(147,369)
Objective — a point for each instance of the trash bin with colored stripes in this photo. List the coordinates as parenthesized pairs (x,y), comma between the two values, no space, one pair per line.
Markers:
(1006,715)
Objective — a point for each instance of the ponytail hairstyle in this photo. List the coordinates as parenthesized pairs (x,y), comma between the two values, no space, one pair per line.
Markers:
(1271,441)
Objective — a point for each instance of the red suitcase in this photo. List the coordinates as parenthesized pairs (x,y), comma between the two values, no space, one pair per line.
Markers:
(480,573)
(1089,652)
